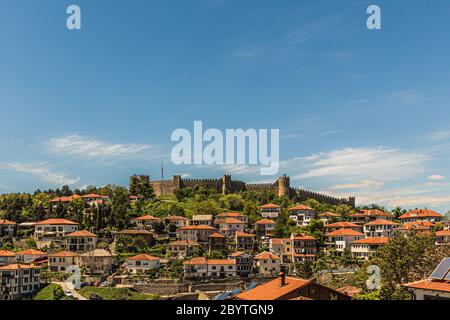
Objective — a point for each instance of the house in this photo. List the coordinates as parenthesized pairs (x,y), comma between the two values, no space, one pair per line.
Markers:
(96,262)
(301,214)
(54,202)
(380,228)
(436,287)
(61,261)
(182,248)
(30,256)
(343,225)
(19,281)
(146,222)
(52,228)
(244,263)
(221,268)
(289,288)
(417,226)
(367,247)
(245,241)
(7,257)
(267,264)
(304,247)
(341,239)
(365,216)
(265,227)
(328,217)
(176,221)
(7,228)
(82,240)
(142,263)
(148,236)
(282,247)
(421,215)
(92,197)
(197,234)
(235,215)
(216,242)
(270,211)
(195,269)
(229,226)
(443,237)
(202,219)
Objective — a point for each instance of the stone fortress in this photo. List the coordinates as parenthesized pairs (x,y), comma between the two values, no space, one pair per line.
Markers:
(225,185)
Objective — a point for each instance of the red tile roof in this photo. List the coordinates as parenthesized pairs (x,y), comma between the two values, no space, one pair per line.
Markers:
(343,224)
(94,196)
(64,254)
(147,218)
(265,221)
(329,214)
(65,199)
(56,222)
(300,207)
(5,222)
(31,252)
(18,266)
(183,243)
(135,232)
(428,284)
(7,253)
(300,236)
(221,261)
(266,256)
(344,232)
(244,235)
(372,213)
(82,233)
(416,225)
(374,240)
(442,233)
(216,235)
(199,227)
(269,206)
(199,260)
(278,241)
(237,254)
(231,214)
(144,257)
(272,289)
(176,218)
(230,221)
(420,213)
(380,222)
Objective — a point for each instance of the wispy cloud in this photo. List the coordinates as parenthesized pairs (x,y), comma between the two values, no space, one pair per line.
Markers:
(435,177)
(379,163)
(248,52)
(363,184)
(438,135)
(91,148)
(42,171)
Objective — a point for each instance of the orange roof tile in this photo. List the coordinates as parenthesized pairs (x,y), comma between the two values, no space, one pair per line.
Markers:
(64,254)
(135,232)
(416,225)
(374,240)
(269,206)
(237,254)
(266,256)
(265,221)
(342,224)
(147,218)
(82,233)
(344,232)
(216,235)
(244,235)
(272,289)
(300,236)
(428,284)
(183,243)
(31,252)
(176,218)
(420,213)
(374,212)
(277,241)
(56,221)
(199,260)
(329,214)
(144,257)
(300,207)
(199,227)
(18,266)
(65,199)
(7,253)
(94,196)
(6,222)
(442,233)
(380,222)
(230,214)
(231,221)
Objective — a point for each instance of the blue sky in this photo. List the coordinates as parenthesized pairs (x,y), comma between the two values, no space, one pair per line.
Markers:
(360,112)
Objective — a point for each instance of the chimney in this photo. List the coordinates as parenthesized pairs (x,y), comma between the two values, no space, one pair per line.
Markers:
(282,277)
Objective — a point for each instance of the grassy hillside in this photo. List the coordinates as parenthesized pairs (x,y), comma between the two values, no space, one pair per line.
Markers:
(116,293)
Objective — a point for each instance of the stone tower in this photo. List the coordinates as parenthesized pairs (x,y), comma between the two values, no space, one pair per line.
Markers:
(226,184)
(176,182)
(284,186)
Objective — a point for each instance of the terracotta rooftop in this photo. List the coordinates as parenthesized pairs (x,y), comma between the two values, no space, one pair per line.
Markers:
(230,221)
(380,222)
(5,222)
(300,207)
(31,252)
(269,206)
(349,290)
(342,224)
(300,236)
(329,214)
(7,253)
(18,266)
(374,212)
(230,214)
(265,221)
(216,235)
(243,234)
(221,261)
(428,284)
(145,257)
(82,233)
(65,199)
(64,254)
(374,240)
(202,217)
(56,222)
(266,256)
(94,196)
(199,260)
(442,233)
(199,227)
(176,218)
(183,243)
(344,232)
(135,232)
(147,218)
(272,289)
(278,241)
(420,213)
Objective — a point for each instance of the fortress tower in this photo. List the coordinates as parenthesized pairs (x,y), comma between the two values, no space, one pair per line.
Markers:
(284,186)
(226,184)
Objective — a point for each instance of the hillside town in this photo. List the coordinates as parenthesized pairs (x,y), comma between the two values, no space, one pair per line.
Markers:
(203,244)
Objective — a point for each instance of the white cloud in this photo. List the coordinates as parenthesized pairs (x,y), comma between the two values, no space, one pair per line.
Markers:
(248,52)
(435,177)
(90,148)
(41,171)
(437,135)
(363,184)
(379,163)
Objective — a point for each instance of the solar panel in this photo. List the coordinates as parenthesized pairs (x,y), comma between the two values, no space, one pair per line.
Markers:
(442,270)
